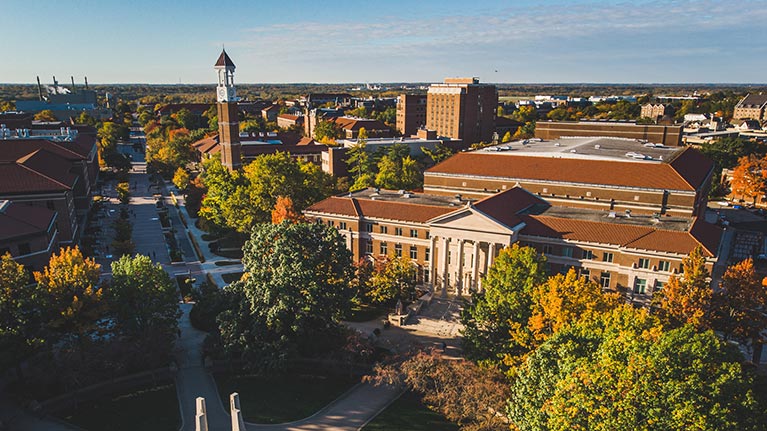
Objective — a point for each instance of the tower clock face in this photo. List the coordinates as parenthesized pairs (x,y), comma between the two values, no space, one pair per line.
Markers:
(222,93)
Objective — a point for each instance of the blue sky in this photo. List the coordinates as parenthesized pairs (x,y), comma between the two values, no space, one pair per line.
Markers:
(386,41)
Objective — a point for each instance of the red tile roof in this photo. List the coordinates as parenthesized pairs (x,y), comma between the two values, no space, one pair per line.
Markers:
(686,172)
(349,123)
(17,220)
(367,208)
(636,237)
(505,206)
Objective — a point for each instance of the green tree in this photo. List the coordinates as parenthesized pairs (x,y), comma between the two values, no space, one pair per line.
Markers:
(506,137)
(439,153)
(21,303)
(388,174)
(623,372)
(495,322)
(358,159)
(143,297)
(108,135)
(327,131)
(297,289)
(392,279)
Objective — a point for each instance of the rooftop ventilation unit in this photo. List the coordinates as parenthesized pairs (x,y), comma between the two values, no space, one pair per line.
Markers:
(611,214)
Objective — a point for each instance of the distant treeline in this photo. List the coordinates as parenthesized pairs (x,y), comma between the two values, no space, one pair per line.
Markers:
(150,93)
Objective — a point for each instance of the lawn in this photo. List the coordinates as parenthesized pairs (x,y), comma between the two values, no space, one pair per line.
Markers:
(365,313)
(148,409)
(282,398)
(409,414)
(231,277)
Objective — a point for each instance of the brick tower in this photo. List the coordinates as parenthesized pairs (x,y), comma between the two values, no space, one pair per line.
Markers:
(228,119)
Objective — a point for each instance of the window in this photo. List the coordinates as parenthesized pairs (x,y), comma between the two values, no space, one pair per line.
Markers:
(24,248)
(546,249)
(567,251)
(607,257)
(413,252)
(369,247)
(398,231)
(384,249)
(368,227)
(587,254)
(644,263)
(585,273)
(426,275)
(428,235)
(640,286)
(664,266)
(398,250)
(384,229)
(428,255)
(659,285)
(604,279)
(413,233)
(342,225)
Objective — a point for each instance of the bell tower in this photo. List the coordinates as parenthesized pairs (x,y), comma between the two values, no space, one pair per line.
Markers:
(228,117)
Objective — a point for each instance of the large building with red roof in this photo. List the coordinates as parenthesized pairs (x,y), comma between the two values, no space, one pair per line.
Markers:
(622,220)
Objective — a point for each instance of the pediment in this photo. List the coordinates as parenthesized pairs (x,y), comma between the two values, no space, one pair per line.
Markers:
(469,219)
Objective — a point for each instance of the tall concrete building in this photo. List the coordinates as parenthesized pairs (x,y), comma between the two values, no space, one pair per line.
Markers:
(462,108)
(228,116)
(411,113)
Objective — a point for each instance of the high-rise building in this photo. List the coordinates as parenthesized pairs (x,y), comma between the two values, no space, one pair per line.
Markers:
(228,115)
(462,108)
(411,113)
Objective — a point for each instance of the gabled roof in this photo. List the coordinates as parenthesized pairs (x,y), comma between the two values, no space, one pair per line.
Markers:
(636,237)
(753,100)
(504,206)
(224,60)
(349,123)
(403,211)
(17,220)
(687,171)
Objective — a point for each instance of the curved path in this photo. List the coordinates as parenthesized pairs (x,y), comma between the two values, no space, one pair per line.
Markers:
(350,412)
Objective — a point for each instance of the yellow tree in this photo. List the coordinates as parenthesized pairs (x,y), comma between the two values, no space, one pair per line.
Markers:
(687,299)
(748,177)
(566,299)
(739,305)
(71,283)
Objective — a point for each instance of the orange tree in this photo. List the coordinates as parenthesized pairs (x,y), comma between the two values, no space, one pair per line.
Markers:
(687,299)
(748,177)
(739,306)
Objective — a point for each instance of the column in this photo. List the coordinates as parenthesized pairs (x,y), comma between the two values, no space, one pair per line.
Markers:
(443,257)
(490,255)
(459,275)
(433,262)
(475,268)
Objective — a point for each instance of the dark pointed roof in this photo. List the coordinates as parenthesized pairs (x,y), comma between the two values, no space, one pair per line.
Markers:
(224,60)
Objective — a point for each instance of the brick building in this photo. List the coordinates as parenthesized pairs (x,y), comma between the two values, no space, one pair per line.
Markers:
(462,108)
(656,111)
(625,222)
(666,135)
(411,113)
(30,234)
(753,107)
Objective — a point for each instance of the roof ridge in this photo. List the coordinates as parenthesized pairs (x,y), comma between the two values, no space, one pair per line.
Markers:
(356,206)
(38,173)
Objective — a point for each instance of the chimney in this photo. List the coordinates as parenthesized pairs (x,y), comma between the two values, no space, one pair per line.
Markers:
(86,82)
(39,89)
(73,83)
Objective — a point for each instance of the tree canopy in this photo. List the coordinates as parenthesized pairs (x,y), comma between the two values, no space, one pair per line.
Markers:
(686,299)
(296,289)
(496,319)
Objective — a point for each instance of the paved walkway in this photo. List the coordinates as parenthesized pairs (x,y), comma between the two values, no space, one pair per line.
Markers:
(348,413)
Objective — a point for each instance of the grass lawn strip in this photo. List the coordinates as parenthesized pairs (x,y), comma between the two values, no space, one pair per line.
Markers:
(409,414)
(283,398)
(147,409)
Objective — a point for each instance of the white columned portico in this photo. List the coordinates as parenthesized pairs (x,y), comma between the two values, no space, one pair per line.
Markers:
(444,257)
(490,255)
(475,267)
(433,262)
(459,275)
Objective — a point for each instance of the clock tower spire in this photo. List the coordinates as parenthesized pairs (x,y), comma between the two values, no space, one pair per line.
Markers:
(228,113)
